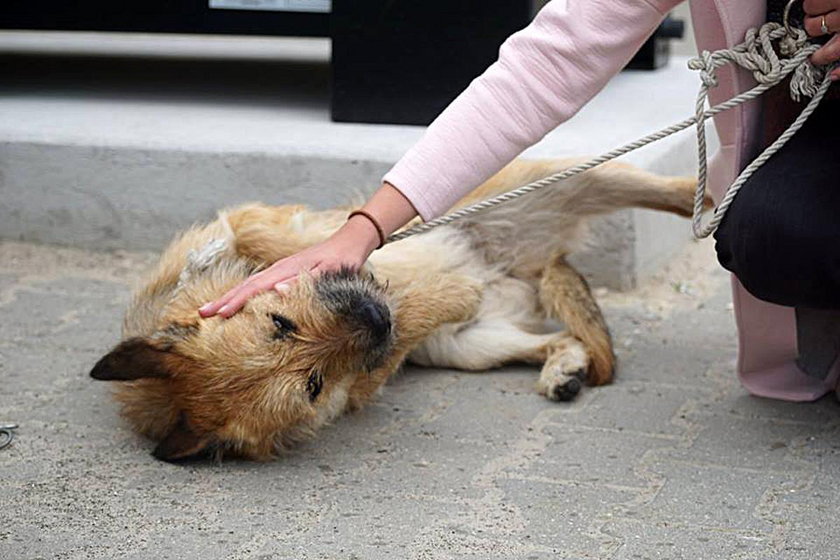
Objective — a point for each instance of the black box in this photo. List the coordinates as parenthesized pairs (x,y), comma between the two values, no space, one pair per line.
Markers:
(403,62)
(158,16)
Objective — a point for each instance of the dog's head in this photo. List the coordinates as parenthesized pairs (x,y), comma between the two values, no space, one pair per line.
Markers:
(268,375)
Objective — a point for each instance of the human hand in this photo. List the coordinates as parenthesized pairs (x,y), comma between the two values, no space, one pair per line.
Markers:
(349,247)
(822,17)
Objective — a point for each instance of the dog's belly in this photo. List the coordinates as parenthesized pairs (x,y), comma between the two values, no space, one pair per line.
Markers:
(509,307)
(508,319)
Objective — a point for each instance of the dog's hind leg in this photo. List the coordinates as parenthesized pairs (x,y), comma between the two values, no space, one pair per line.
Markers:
(565,296)
(608,187)
(617,185)
(482,345)
(565,367)
(489,344)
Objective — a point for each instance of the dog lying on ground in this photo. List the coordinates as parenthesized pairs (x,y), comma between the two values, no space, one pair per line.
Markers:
(472,295)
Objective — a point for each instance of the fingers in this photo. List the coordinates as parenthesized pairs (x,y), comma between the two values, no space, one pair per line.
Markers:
(275,277)
(286,284)
(817,7)
(828,53)
(233,300)
(235,303)
(283,288)
(210,309)
(281,276)
(813,24)
(282,283)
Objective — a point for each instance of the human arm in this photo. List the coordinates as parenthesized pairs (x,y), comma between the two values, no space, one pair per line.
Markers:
(349,247)
(544,75)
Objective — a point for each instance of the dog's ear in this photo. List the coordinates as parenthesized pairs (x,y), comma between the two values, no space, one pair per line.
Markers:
(182,443)
(134,358)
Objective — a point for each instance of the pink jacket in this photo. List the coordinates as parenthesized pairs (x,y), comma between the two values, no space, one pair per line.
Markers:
(544,75)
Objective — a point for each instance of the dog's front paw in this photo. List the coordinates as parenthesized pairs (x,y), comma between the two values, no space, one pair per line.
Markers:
(563,374)
(462,297)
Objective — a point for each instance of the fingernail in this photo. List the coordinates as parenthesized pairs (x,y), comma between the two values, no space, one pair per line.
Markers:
(205,307)
(834,77)
(223,311)
(281,287)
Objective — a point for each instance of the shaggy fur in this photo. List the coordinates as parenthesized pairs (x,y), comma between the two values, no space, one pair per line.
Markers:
(473,295)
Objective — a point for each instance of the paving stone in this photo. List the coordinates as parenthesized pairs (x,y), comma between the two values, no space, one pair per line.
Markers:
(738,402)
(641,407)
(745,443)
(81,287)
(710,496)
(563,518)
(811,532)
(44,367)
(7,280)
(594,457)
(663,540)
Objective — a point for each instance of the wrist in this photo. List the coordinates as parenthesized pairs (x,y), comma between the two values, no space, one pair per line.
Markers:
(391,208)
(372,221)
(359,233)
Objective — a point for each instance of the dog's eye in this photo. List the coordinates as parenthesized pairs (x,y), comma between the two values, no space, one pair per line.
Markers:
(284,326)
(314,385)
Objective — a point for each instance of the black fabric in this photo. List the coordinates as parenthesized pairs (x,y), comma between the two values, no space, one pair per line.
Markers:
(781,236)
(817,340)
(776,12)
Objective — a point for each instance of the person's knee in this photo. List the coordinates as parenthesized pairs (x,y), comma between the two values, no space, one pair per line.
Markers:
(745,236)
(759,244)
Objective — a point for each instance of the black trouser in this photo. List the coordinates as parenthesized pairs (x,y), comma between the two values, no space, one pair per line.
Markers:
(781,235)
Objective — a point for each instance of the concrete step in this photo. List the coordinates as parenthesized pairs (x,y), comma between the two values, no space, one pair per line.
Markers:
(118,141)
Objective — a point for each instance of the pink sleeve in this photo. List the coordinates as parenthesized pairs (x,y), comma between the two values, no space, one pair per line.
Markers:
(544,75)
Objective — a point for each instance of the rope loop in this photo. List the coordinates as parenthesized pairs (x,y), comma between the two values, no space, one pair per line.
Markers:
(770,53)
(705,64)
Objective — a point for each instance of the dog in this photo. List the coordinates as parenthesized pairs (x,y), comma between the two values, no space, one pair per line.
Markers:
(472,295)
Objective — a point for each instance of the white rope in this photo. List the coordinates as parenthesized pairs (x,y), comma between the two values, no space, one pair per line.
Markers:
(757,54)
(769,68)
(200,260)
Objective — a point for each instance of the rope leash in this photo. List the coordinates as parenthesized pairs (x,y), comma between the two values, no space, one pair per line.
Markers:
(757,54)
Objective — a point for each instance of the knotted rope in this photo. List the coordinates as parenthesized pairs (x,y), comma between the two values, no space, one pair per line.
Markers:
(757,54)
(201,260)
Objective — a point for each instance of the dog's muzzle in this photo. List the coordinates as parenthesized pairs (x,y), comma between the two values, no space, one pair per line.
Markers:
(375,317)
(359,300)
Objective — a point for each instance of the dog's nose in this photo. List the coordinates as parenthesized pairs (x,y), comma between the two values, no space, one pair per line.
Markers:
(375,317)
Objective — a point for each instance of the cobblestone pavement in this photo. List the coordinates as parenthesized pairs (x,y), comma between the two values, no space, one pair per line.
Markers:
(672,461)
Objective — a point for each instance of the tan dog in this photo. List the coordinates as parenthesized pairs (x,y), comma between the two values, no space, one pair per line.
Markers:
(473,295)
